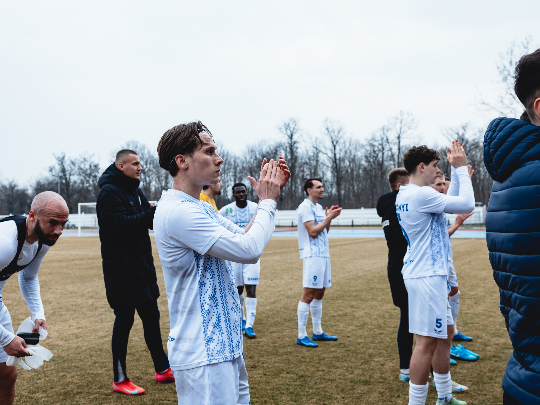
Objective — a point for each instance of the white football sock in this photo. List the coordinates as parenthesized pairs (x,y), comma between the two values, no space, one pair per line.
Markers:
(316,315)
(303,313)
(251,309)
(405,371)
(242,306)
(418,393)
(454,307)
(443,382)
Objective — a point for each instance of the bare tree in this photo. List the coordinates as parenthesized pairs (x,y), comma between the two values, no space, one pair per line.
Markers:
(506,103)
(401,128)
(290,130)
(333,135)
(14,199)
(65,172)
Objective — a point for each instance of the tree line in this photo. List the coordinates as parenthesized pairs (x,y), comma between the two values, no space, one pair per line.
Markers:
(353,171)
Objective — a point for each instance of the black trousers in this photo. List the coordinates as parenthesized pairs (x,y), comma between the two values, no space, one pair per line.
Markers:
(404,338)
(149,313)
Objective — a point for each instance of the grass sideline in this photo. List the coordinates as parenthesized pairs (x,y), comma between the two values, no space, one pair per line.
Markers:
(362,367)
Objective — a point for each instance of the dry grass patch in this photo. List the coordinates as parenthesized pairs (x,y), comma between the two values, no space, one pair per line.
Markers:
(362,367)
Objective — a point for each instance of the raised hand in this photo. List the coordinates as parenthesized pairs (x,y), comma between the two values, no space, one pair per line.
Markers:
(462,217)
(471,171)
(284,173)
(269,181)
(333,212)
(456,157)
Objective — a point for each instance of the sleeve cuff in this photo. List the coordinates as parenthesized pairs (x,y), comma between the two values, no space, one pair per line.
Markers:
(268,205)
(39,315)
(7,339)
(461,170)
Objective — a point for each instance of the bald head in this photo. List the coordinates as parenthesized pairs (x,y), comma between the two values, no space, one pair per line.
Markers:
(47,217)
(49,200)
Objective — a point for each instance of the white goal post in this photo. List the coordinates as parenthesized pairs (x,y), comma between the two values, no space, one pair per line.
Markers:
(90,220)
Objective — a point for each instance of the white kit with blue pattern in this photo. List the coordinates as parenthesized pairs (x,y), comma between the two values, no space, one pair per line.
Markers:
(311,247)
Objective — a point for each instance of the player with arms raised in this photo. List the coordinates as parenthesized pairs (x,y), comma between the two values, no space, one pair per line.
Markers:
(194,243)
(425,266)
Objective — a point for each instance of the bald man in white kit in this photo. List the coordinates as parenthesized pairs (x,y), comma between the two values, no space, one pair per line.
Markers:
(24,241)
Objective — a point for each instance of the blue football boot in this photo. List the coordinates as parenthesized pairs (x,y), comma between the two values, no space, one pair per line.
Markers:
(306,342)
(404,378)
(324,336)
(249,333)
(453,362)
(461,337)
(461,353)
(470,352)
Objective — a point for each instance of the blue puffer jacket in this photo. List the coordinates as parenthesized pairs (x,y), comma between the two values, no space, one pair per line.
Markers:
(512,158)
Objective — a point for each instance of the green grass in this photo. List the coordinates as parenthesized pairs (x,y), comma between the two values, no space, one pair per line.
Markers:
(361,368)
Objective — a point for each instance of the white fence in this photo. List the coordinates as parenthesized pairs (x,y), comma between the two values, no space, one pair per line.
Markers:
(287,218)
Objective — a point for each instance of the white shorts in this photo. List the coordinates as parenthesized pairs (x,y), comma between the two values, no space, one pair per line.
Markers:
(429,310)
(214,384)
(5,321)
(247,273)
(317,272)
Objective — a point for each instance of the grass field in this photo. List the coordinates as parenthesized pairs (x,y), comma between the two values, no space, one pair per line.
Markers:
(361,368)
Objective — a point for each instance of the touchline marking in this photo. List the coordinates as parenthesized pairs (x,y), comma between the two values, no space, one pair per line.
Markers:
(330,244)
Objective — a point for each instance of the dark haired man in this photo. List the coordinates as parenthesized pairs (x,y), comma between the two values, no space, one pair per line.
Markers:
(313,226)
(208,194)
(24,241)
(512,158)
(240,212)
(124,217)
(425,266)
(194,242)
(397,247)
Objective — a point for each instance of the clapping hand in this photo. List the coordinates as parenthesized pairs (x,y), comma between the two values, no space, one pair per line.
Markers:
(462,217)
(456,157)
(471,171)
(269,181)
(333,212)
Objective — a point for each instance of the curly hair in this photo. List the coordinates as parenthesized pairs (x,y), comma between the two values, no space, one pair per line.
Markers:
(527,81)
(419,154)
(179,140)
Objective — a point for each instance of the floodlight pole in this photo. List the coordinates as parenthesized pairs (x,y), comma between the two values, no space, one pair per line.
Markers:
(79,219)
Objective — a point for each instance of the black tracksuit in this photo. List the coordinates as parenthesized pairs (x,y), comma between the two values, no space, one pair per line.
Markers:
(397,247)
(124,217)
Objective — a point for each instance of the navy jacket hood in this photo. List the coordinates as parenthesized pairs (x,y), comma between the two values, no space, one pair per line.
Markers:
(113,175)
(508,144)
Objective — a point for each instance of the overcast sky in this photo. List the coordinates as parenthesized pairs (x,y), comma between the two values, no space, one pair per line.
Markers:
(90,76)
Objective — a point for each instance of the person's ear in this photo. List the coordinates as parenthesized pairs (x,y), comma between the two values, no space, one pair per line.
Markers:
(536,106)
(181,162)
(422,167)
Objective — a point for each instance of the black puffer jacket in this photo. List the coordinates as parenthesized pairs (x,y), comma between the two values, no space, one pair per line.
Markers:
(124,217)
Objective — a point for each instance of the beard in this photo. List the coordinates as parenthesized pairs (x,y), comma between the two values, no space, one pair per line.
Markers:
(43,238)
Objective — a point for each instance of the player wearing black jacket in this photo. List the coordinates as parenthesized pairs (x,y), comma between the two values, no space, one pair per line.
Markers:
(397,247)
(125,216)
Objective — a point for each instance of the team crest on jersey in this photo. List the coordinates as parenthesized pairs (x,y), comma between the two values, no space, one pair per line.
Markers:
(228,211)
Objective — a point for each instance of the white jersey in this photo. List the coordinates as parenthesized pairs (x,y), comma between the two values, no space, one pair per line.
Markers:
(28,280)
(420,214)
(194,243)
(452,278)
(237,215)
(311,247)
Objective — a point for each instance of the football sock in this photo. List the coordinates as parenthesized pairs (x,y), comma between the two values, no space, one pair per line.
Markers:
(418,393)
(454,307)
(316,315)
(303,313)
(251,309)
(443,382)
(405,371)
(242,306)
